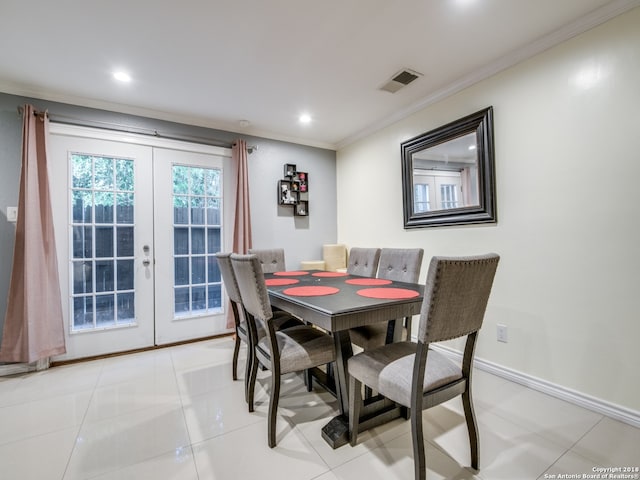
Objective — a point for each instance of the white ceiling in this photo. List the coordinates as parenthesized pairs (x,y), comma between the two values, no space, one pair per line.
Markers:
(215,62)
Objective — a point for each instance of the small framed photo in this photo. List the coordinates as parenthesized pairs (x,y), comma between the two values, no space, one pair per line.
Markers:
(289,170)
(303,178)
(302,208)
(286,196)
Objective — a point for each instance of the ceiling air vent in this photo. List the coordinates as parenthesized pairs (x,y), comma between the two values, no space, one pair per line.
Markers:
(399,80)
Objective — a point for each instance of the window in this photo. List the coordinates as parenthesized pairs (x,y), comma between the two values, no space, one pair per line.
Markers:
(421,198)
(449,195)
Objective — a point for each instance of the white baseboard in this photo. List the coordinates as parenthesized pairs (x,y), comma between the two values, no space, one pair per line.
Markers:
(617,412)
(17,368)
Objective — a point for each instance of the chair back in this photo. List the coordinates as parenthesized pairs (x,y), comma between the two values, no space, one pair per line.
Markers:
(271,260)
(228,277)
(456,296)
(363,261)
(400,264)
(253,290)
(334,256)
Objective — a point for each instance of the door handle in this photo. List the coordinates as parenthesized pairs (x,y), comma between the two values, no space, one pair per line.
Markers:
(146,262)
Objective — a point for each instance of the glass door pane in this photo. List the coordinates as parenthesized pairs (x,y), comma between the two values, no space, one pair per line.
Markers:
(102,231)
(196,232)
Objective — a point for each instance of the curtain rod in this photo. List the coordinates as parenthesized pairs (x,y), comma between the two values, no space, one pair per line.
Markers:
(119,127)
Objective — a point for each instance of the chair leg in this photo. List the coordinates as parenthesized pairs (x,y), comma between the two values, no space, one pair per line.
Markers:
(253,374)
(368,392)
(355,402)
(247,372)
(273,406)
(234,364)
(308,379)
(406,413)
(472,427)
(419,460)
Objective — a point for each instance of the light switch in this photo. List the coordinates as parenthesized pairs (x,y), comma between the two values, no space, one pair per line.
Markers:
(12,214)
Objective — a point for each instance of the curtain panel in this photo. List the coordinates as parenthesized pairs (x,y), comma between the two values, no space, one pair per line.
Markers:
(242,214)
(33,326)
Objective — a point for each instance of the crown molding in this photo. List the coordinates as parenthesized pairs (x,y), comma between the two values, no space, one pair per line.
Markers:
(581,25)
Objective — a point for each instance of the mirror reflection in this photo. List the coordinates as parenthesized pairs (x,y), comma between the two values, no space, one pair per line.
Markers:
(447,174)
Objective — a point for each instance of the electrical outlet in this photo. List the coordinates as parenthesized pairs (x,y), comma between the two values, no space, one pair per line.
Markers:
(12,214)
(502,333)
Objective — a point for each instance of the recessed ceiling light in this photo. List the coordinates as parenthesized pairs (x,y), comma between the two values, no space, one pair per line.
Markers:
(122,76)
(305,118)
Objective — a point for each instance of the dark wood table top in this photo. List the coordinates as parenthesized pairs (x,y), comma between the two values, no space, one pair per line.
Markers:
(346,308)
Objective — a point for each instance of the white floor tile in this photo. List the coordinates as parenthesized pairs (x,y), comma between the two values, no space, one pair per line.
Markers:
(570,464)
(244,454)
(43,457)
(212,352)
(394,460)
(611,444)
(121,398)
(146,365)
(219,412)
(177,414)
(125,440)
(507,451)
(201,379)
(177,465)
(549,417)
(368,440)
(62,380)
(43,416)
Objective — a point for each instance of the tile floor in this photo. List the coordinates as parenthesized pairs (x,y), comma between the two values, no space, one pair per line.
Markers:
(176,414)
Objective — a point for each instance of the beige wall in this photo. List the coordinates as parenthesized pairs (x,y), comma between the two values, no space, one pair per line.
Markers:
(567,171)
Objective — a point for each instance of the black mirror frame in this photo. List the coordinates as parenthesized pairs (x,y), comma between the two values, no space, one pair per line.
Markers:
(482,124)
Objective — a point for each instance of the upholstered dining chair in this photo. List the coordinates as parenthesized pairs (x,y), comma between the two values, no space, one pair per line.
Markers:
(363,261)
(399,264)
(272,260)
(281,320)
(418,377)
(282,351)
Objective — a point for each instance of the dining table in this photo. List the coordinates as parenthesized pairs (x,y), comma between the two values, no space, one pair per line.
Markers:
(337,302)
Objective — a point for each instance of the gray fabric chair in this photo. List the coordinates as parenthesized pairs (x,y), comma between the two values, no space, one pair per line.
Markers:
(283,351)
(417,377)
(363,261)
(399,264)
(281,320)
(272,260)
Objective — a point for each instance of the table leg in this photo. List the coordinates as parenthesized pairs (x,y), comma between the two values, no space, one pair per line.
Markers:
(344,352)
(336,432)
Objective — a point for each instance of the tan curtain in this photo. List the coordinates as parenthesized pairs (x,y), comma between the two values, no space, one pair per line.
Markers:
(33,326)
(242,214)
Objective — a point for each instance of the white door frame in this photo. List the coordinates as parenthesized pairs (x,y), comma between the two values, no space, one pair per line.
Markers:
(63,236)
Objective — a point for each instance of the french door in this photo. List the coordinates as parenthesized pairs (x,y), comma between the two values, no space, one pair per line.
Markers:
(137,227)
(188,233)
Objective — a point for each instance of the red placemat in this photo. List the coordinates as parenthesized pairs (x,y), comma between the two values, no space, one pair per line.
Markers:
(388,293)
(368,281)
(330,274)
(292,273)
(312,291)
(274,282)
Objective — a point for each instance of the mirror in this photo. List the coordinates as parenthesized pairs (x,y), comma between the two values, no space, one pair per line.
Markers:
(448,174)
